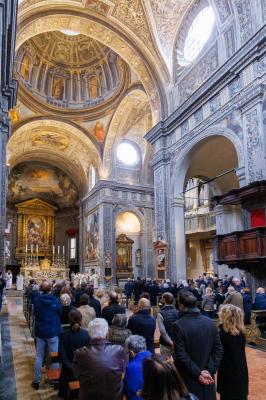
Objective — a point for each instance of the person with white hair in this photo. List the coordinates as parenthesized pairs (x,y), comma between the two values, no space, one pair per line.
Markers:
(100,365)
(260,299)
(133,381)
(234,297)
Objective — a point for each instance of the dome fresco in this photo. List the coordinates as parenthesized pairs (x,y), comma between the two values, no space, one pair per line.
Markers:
(69,71)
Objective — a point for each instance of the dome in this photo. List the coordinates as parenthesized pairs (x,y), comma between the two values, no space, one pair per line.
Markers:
(66,70)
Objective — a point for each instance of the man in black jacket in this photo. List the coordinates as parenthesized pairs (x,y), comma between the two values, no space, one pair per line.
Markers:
(167,316)
(94,303)
(113,308)
(197,348)
(143,324)
(2,286)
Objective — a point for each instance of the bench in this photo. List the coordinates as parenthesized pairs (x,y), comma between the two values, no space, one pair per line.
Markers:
(73,389)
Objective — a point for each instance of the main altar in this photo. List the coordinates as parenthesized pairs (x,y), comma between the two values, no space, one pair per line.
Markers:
(40,258)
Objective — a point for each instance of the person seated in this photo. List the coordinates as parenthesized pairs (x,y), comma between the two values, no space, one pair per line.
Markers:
(88,313)
(161,380)
(69,341)
(100,365)
(113,308)
(94,303)
(136,346)
(260,299)
(118,333)
(247,304)
(65,301)
(143,324)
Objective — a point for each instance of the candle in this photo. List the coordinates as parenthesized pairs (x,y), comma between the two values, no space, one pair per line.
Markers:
(31,248)
(58,249)
(26,248)
(63,250)
(37,248)
(53,249)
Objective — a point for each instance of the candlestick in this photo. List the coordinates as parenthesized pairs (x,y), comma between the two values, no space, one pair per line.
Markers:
(53,249)
(31,248)
(26,248)
(63,250)
(58,250)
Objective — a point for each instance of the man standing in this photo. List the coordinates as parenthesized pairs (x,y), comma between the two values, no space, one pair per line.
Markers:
(2,286)
(197,348)
(100,365)
(234,297)
(167,316)
(128,290)
(113,308)
(47,311)
(143,324)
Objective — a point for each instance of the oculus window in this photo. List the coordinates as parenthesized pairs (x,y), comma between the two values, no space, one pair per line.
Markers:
(127,154)
(198,34)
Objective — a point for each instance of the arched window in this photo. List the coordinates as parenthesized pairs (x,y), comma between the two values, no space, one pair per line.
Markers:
(198,34)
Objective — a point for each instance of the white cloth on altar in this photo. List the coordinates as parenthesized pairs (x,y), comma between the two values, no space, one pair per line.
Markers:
(20,282)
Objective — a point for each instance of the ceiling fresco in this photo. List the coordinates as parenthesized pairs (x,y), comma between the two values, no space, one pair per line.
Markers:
(40,180)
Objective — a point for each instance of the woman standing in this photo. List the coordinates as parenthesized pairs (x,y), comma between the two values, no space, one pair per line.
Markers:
(233,370)
(208,301)
(69,341)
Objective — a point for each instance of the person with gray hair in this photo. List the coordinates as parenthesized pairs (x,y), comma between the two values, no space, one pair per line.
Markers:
(118,332)
(133,381)
(100,365)
(234,297)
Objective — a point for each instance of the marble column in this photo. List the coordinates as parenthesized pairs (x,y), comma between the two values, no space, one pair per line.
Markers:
(81,238)
(177,255)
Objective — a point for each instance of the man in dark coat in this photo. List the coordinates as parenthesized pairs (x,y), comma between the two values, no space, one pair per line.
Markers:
(154,292)
(100,365)
(113,308)
(143,324)
(94,303)
(197,348)
(137,289)
(167,316)
(47,309)
(128,290)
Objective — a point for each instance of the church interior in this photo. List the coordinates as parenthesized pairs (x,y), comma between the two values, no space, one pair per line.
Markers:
(133,142)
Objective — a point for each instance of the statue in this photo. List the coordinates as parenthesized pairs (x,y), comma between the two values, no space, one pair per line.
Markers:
(161,258)
(138,258)
(20,281)
(9,280)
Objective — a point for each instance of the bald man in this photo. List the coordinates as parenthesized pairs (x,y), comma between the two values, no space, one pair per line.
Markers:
(143,324)
(113,308)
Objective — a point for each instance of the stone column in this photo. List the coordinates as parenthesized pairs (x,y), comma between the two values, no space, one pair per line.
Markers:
(107,232)
(4,134)
(177,245)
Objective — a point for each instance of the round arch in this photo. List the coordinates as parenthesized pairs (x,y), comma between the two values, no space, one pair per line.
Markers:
(152,76)
(181,160)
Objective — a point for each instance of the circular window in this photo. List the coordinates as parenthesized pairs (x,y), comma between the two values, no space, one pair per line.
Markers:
(127,153)
(198,34)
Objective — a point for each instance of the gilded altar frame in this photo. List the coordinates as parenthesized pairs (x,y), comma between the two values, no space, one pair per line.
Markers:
(28,210)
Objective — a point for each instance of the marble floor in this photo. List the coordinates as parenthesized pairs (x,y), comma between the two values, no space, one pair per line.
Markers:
(16,370)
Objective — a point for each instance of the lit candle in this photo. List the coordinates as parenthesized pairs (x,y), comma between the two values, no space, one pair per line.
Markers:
(58,249)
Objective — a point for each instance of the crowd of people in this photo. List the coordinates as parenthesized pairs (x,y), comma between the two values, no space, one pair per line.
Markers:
(111,350)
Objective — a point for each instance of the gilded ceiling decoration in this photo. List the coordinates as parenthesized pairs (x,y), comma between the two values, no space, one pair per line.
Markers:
(70,72)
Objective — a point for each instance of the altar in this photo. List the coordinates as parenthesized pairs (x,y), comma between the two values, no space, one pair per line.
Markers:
(44,269)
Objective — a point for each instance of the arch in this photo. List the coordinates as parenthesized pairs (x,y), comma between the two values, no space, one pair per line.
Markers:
(131,209)
(43,139)
(153,77)
(181,160)
(114,131)
(137,220)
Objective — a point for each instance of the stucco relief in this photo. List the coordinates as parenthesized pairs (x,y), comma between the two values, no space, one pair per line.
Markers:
(223,9)
(168,14)
(243,8)
(229,37)
(255,154)
(198,74)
